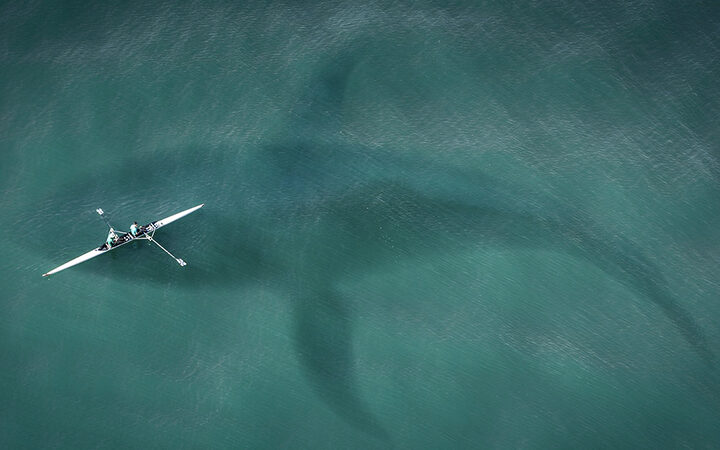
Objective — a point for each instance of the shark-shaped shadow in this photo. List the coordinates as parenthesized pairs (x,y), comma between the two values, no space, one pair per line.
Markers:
(422,222)
(372,202)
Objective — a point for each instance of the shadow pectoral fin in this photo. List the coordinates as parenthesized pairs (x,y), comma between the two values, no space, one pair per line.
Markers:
(324,343)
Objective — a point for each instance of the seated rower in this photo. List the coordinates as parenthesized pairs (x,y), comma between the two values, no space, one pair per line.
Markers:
(134,229)
(112,237)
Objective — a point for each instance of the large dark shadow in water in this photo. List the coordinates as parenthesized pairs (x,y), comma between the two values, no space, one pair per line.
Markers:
(321,190)
(416,222)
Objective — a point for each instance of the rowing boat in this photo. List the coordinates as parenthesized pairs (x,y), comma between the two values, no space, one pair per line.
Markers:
(147,232)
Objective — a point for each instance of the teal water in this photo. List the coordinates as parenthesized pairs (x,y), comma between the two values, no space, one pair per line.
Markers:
(427,225)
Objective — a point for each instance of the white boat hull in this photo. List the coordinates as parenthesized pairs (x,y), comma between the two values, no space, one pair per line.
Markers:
(82,258)
(162,222)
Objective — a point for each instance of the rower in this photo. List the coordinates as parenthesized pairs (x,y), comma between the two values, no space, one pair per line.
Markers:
(112,237)
(134,229)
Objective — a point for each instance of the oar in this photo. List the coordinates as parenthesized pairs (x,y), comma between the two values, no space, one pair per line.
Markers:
(100,211)
(179,261)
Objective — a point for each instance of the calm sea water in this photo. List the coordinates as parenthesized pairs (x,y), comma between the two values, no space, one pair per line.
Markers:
(427,225)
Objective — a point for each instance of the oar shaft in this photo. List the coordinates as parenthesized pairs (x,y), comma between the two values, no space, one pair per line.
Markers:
(151,239)
(102,214)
